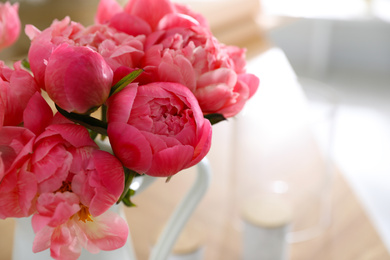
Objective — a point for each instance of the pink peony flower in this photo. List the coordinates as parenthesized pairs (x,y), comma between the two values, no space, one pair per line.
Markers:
(73,214)
(16,88)
(77,78)
(9,24)
(181,48)
(105,232)
(118,48)
(157,129)
(18,182)
(57,172)
(43,44)
(193,57)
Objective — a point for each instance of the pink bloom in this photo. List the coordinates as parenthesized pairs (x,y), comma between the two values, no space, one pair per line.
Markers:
(157,129)
(180,48)
(43,44)
(118,48)
(9,24)
(18,185)
(105,232)
(77,78)
(16,88)
(54,150)
(193,57)
(75,184)
(73,214)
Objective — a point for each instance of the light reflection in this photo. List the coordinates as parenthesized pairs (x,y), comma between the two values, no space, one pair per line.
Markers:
(280,187)
(135,185)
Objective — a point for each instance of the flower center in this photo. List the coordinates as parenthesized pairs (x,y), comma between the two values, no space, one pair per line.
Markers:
(66,186)
(167,119)
(84,214)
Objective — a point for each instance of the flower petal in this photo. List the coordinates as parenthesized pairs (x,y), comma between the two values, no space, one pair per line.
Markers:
(204,143)
(130,146)
(42,239)
(17,192)
(64,243)
(37,114)
(171,160)
(150,10)
(111,182)
(76,135)
(107,232)
(121,103)
(130,24)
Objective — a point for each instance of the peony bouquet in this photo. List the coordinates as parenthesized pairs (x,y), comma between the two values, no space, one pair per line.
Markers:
(149,77)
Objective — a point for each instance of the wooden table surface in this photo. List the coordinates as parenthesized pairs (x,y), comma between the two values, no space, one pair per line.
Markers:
(265,141)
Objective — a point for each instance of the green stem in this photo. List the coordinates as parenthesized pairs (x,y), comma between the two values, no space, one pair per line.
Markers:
(104,113)
(129,176)
(91,123)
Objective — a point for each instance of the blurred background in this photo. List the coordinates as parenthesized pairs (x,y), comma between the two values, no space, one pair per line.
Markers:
(338,48)
(343,46)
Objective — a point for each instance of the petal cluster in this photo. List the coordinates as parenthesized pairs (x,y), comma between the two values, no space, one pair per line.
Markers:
(180,47)
(158,129)
(53,170)
(155,73)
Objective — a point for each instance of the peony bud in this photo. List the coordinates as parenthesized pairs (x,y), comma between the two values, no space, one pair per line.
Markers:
(77,78)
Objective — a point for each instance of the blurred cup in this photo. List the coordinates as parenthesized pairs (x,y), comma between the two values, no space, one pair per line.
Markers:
(309,190)
(289,157)
(267,221)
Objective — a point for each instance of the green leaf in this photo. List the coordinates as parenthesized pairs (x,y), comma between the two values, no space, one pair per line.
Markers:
(215,118)
(26,64)
(125,81)
(92,134)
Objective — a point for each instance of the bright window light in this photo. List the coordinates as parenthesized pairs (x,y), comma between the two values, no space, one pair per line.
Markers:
(341,9)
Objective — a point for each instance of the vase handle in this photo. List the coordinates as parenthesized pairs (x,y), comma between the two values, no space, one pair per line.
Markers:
(182,213)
